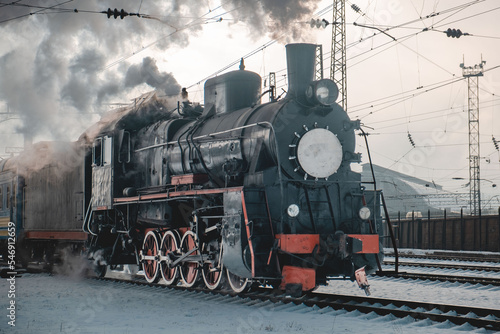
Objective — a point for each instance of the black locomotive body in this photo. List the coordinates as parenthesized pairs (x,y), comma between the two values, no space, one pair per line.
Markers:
(237,191)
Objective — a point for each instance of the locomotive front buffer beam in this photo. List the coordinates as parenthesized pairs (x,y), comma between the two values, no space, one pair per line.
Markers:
(296,280)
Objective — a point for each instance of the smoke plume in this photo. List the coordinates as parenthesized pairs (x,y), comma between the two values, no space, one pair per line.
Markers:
(281,19)
(59,66)
(54,65)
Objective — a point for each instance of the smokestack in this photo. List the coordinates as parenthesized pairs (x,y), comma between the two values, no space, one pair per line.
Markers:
(301,61)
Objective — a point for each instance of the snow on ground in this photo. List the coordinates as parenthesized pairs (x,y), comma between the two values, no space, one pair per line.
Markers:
(58,304)
(475,295)
(448,262)
(414,251)
(445,271)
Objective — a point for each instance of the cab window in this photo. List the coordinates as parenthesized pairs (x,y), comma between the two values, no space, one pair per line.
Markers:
(108,150)
(124,155)
(97,152)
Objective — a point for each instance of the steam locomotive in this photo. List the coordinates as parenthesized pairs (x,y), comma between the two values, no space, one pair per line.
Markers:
(236,191)
(230,194)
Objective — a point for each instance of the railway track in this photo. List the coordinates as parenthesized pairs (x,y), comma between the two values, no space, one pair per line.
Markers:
(446,266)
(442,278)
(459,315)
(472,257)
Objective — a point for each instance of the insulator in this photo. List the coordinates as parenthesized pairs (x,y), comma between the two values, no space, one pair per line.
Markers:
(411,140)
(319,23)
(495,143)
(117,13)
(454,33)
(123,14)
(355,8)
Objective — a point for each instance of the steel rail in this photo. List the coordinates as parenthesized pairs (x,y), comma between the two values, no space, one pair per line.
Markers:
(446,266)
(452,257)
(442,278)
(456,314)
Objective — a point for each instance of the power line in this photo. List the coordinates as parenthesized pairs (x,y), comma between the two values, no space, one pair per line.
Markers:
(257,50)
(188,25)
(404,98)
(31,13)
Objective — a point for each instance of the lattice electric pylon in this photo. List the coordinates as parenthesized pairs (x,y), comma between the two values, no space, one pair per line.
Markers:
(319,63)
(472,73)
(338,67)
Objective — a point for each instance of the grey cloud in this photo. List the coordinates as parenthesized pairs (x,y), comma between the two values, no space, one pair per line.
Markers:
(57,62)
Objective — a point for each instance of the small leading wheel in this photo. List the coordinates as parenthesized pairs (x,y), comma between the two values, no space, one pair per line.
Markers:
(212,271)
(189,270)
(238,284)
(150,250)
(169,244)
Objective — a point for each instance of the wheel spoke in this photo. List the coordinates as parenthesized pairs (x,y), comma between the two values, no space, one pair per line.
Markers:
(189,270)
(213,271)
(169,245)
(150,248)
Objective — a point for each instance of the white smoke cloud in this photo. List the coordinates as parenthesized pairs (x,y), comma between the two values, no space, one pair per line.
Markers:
(56,64)
(281,19)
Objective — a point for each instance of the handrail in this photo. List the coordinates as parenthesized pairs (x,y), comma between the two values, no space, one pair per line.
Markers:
(86,220)
(391,232)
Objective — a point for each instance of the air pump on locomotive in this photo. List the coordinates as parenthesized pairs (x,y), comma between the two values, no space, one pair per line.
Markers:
(236,191)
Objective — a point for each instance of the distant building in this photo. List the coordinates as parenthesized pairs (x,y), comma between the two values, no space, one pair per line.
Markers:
(405,194)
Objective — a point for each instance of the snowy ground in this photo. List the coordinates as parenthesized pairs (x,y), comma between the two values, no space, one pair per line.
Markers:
(475,295)
(434,251)
(449,271)
(57,304)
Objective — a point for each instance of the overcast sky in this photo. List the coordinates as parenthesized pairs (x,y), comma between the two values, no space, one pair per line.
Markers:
(61,69)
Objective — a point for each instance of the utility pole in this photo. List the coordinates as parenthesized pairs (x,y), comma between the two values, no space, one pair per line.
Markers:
(472,74)
(338,72)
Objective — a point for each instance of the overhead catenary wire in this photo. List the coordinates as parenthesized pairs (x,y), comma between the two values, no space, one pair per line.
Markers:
(31,13)
(322,12)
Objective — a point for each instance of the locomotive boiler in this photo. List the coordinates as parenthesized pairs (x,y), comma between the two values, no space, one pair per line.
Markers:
(236,191)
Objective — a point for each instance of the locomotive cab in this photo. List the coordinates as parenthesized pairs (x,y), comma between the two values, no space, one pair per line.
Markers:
(102,173)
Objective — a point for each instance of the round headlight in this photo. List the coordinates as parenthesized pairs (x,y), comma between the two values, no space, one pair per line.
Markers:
(319,153)
(324,92)
(364,213)
(293,210)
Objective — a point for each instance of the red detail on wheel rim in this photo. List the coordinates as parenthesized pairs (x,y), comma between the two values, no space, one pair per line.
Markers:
(168,245)
(213,277)
(189,270)
(150,248)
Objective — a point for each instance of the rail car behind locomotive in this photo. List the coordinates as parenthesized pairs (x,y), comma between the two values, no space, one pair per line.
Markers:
(237,190)
(41,200)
